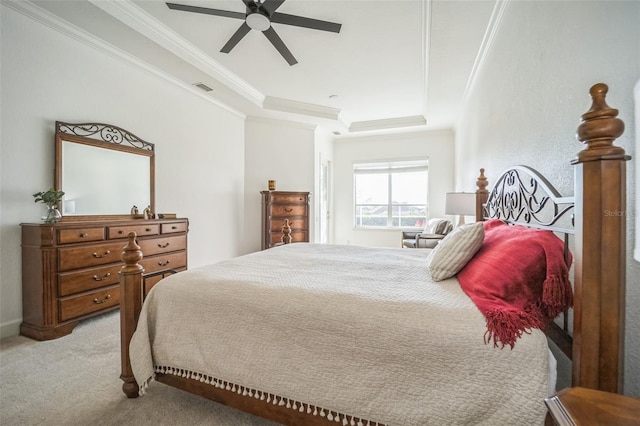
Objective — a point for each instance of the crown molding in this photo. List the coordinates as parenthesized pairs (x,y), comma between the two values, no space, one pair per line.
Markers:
(388,123)
(487,41)
(139,20)
(50,20)
(286,105)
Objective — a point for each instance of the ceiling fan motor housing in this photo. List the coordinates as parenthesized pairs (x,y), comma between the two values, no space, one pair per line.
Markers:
(258,21)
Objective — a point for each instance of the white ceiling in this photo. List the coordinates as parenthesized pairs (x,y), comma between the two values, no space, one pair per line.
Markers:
(395,63)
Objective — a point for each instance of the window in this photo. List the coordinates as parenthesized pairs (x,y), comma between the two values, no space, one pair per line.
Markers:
(391,194)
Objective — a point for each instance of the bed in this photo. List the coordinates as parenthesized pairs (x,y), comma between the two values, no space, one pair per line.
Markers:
(369,336)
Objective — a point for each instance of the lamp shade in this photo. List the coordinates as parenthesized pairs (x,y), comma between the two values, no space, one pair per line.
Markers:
(461,203)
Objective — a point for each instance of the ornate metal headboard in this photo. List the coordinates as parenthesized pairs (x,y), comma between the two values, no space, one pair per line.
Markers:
(522,195)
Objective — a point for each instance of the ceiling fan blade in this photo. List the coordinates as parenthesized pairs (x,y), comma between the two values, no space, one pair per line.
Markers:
(271,5)
(277,42)
(236,37)
(301,21)
(251,5)
(206,10)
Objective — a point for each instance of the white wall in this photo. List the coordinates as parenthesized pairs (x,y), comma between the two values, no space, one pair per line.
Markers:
(275,150)
(47,76)
(437,146)
(528,99)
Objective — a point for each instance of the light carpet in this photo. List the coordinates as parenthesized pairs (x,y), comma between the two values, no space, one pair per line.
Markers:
(75,380)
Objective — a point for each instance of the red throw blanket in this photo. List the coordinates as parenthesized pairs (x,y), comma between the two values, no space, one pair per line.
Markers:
(519,280)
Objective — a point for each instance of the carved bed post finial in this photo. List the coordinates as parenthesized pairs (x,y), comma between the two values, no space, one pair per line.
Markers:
(130,305)
(482,194)
(131,254)
(600,224)
(286,232)
(482,182)
(600,126)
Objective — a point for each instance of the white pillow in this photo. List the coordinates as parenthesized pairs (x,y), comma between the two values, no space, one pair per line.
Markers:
(438,226)
(455,250)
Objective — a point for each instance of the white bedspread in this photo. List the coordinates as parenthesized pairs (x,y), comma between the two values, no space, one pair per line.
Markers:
(357,330)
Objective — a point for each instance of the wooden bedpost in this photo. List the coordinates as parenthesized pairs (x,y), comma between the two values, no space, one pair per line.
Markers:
(130,306)
(286,232)
(482,195)
(600,222)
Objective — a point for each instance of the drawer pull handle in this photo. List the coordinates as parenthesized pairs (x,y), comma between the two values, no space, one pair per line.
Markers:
(97,278)
(121,232)
(174,227)
(99,302)
(83,235)
(163,245)
(163,263)
(147,229)
(99,256)
(288,210)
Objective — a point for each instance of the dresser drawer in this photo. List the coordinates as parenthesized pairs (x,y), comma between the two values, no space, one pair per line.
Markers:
(296,223)
(287,210)
(162,245)
(88,279)
(164,261)
(143,230)
(288,199)
(296,237)
(91,255)
(173,227)
(150,282)
(81,235)
(89,303)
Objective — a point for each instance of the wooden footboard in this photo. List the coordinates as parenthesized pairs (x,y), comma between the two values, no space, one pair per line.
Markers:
(280,410)
(284,412)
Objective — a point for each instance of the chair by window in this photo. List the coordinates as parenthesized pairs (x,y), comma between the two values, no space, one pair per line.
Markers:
(434,231)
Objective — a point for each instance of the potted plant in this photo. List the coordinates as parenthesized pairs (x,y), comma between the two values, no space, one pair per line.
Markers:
(51,198)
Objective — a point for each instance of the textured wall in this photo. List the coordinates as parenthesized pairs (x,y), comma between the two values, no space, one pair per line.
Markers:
(526,104)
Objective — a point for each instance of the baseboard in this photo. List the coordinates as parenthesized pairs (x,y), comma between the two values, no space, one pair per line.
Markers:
(11,328)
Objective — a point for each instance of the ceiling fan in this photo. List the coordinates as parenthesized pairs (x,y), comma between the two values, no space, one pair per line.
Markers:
(259,16)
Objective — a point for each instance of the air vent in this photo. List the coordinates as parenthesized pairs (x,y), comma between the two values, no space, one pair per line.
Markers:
(203,87)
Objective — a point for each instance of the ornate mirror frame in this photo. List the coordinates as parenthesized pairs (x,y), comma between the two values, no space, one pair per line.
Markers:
(115,176)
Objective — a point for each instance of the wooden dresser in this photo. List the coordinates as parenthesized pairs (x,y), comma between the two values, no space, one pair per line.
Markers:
(278,206)
(70,270)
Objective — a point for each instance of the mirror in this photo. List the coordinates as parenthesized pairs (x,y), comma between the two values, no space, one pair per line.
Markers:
(103,170)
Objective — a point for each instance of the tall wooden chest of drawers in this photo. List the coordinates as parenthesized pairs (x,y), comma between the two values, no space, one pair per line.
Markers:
(70,270)
(278,206)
